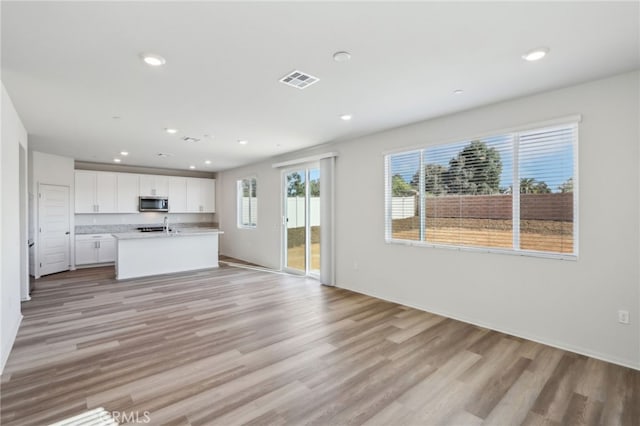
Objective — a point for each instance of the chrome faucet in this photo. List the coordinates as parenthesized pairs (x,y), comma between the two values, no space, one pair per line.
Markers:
(166,224)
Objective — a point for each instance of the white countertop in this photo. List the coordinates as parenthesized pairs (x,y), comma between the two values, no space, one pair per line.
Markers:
(186,232)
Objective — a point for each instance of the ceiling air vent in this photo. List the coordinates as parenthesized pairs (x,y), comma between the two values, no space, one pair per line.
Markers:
(299,79)
(190,139)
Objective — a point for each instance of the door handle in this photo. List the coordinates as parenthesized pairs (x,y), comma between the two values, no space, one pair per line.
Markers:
(67,233)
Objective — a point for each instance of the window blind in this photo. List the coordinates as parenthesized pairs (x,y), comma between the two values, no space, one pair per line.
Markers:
(506,192)
(546,177)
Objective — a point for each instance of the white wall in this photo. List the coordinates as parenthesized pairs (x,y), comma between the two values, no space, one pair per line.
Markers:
(13,136)
(569,304)
(260,245)
(50,169)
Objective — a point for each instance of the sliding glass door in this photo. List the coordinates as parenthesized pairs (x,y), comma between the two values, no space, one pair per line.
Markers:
(301,238)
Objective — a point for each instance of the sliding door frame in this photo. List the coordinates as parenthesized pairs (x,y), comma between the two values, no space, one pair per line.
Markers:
(306,167)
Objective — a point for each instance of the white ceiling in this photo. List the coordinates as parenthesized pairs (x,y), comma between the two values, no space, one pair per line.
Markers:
(70,67)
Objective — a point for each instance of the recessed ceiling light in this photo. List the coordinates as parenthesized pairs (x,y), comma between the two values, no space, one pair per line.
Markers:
(170,130)
(458,92)
(341,56)
(207,161)
(153,59)
(536,54)
(346,117)
(243,142)
(192,166)
(116,160)
(125,153)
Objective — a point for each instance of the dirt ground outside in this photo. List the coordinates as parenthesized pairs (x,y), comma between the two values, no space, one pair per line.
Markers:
(537,235)
(296,248)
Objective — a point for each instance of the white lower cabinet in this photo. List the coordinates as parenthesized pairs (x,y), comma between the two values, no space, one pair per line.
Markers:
(107,250)
(95,248)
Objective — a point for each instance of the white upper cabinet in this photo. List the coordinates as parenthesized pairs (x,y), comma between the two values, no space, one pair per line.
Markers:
(193,195)
(128,191)
(201,195)
(85,191)
(209,195)
(107,192)
(95,192)
(152,185)
(177,195)
(162,185)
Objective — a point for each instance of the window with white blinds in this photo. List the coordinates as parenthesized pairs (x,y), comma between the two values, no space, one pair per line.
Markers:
(247,203)
(513,192)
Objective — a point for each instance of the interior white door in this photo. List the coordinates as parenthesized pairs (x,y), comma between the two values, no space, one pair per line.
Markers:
(53,219)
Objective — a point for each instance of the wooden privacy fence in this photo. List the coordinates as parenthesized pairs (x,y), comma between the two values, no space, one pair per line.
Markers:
(532,206)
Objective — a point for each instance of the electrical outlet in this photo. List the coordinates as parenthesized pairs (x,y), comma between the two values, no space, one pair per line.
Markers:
(623,317)
(355,266)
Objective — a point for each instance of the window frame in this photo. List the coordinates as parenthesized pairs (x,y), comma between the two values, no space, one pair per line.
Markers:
(572,121)
(239,198)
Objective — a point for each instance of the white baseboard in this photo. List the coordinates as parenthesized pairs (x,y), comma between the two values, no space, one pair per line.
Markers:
(93,265)
(558,345)
(13,334)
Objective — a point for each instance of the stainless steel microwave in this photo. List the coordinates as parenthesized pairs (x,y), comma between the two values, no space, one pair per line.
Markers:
(153,204)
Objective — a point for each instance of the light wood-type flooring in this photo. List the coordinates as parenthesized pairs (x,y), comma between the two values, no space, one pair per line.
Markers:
(238,346)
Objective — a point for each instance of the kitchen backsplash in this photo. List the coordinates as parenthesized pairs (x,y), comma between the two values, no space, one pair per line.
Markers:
(148,218)
(114,229)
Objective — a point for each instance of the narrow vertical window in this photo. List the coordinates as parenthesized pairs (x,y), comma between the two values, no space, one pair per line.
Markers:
(247,203)
(546,190)
(403,196)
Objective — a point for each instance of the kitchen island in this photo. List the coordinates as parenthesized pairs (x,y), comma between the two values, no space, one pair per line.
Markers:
(141,254)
